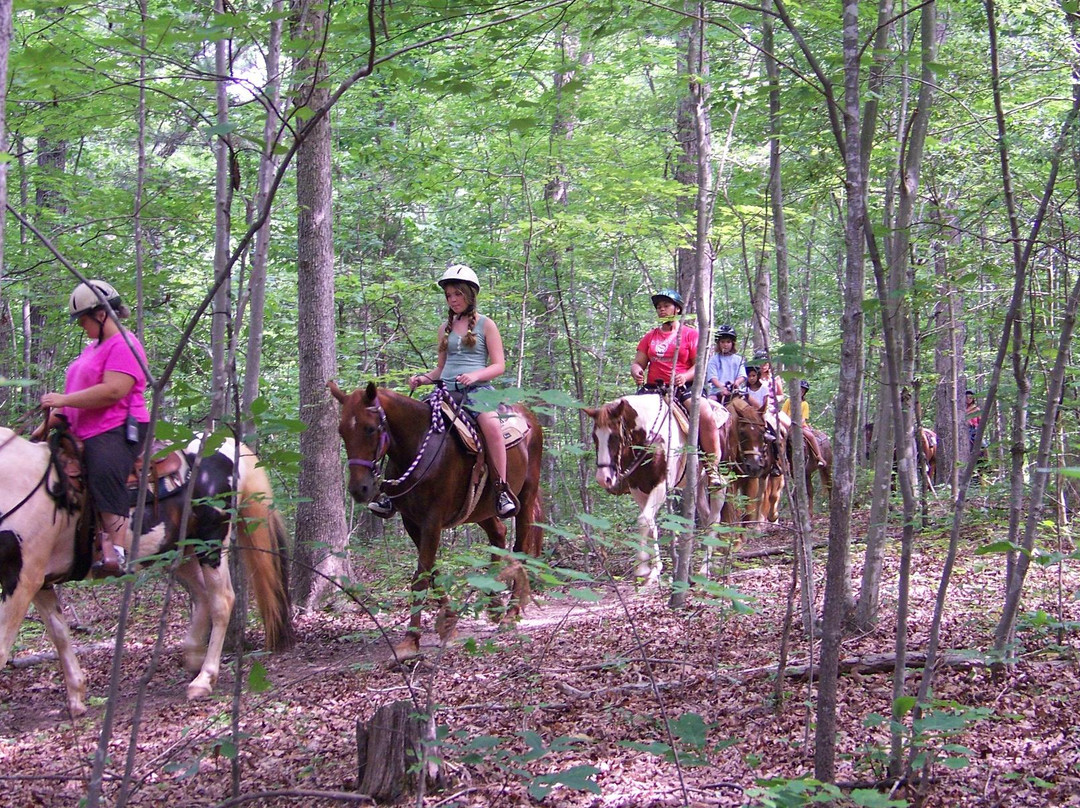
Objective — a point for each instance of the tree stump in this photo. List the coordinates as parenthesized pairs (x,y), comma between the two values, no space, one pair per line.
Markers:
(389,750)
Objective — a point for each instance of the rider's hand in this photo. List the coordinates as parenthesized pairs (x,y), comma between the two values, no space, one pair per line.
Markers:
(466,379)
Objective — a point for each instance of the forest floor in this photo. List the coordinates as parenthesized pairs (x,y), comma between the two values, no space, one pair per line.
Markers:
(575,699)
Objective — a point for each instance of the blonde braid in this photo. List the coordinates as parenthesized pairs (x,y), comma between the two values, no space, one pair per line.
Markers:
(469,340)
(444,340)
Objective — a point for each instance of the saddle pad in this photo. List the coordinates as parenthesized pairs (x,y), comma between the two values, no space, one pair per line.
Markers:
(514,427)
(681,418)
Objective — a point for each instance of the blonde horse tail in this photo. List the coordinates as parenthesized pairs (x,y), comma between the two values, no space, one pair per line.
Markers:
(261,541)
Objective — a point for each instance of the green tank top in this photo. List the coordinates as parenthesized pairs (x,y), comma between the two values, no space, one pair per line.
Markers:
(462,359)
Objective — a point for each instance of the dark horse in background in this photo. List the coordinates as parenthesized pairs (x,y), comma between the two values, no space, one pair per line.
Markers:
(926,448)
(46,530)
(431,481)
(825,447)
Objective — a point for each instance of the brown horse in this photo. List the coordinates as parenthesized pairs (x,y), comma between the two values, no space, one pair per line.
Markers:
(432,484)
(825,447)
(926,446)
(746,452)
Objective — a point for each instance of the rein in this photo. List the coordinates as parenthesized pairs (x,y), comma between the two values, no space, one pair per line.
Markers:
(61,494)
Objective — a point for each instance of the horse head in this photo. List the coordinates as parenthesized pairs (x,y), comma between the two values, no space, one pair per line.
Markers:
(748,438)
(364,433)
(624,446)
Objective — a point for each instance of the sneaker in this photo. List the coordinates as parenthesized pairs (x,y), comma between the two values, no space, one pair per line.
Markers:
(504,505)
(383,506)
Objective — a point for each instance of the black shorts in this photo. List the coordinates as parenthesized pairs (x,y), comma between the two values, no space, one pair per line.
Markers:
(109,460)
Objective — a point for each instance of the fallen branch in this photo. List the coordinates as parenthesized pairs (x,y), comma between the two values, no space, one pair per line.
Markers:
(30,660)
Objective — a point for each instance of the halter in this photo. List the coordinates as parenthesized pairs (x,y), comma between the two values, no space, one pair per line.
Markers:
(384,440)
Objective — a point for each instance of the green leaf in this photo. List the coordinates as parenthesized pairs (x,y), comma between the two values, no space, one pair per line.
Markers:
(258,680)
(485,583)
(587,595)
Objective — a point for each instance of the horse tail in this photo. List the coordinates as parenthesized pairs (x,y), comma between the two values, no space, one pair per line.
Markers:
(262,545)
(534,543)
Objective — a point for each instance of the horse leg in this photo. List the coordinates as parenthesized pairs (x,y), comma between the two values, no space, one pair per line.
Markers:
(513,575)
(649,563)
(710,507)
(212,603)
(48,606)
(426,540)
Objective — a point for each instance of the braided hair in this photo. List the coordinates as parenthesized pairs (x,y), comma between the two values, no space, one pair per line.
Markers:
(469,340)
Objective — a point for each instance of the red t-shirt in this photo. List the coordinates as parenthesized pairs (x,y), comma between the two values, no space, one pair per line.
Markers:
(659,347)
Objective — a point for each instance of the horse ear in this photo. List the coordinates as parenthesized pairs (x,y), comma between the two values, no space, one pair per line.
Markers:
(592,412)
(335,391)
(371,392)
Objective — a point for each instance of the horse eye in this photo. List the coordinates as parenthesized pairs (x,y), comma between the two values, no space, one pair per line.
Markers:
(370,430)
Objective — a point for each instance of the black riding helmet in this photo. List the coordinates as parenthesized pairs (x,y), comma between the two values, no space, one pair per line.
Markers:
(669,294)
(754,368)
(725,332)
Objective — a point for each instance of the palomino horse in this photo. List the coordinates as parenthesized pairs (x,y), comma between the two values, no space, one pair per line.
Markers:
(746,451)
(433,484)
(46,533)
(639,450)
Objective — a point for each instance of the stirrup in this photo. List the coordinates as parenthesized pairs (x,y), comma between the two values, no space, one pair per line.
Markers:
(383,506)
(504,505)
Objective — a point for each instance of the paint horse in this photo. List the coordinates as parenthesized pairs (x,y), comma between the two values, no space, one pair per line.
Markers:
(640,449)
(926,445)
(435,481)
(47,529)
(747,453)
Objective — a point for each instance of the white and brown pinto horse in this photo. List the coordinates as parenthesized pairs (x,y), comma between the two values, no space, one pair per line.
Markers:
(46,533)
(640,450)
(434,482)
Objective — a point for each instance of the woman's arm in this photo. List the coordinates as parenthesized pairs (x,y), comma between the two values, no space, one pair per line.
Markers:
(113,386)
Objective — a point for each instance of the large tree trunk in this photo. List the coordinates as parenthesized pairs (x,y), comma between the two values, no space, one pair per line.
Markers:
(320,516)
(700,148)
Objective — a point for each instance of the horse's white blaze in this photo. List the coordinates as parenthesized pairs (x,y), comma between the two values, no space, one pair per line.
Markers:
(605,470)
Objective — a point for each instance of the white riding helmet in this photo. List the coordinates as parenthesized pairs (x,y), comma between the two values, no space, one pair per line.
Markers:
(83,299)
(459,273)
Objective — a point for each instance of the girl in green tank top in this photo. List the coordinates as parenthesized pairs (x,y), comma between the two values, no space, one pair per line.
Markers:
(470,357)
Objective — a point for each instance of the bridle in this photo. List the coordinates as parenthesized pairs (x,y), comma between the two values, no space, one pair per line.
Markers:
(436,427)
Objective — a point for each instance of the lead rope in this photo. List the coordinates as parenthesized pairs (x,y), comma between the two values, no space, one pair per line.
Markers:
(654,432)
(437,426)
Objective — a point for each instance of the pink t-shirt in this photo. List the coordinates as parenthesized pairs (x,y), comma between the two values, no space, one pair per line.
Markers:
(659,347)
(89,369)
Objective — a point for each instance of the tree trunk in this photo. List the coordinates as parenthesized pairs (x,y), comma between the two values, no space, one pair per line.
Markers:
(390,752)
(320,515)
(849,390)
(697,103)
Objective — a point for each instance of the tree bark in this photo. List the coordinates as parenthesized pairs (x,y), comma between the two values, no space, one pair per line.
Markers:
(320,515)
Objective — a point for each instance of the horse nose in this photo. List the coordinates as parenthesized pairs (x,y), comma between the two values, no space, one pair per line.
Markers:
(605,477)
(361,490)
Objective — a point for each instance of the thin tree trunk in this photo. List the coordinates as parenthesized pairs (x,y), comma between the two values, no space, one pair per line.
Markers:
(256,297)
(699,96)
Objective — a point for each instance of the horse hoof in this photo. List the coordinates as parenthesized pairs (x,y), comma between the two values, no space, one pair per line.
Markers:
(198,690)
(404,651)
(77,709)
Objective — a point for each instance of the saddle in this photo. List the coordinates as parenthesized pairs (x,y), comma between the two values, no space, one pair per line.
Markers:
(514,426)
(167,476)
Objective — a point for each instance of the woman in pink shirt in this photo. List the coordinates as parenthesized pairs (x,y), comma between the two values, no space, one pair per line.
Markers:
(104,405)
